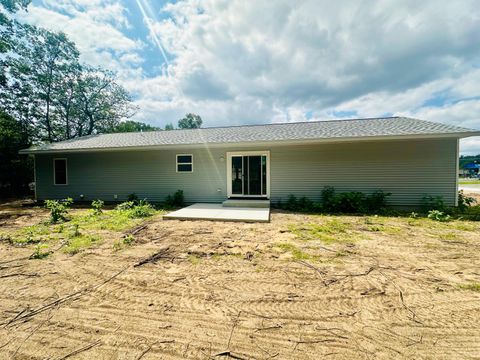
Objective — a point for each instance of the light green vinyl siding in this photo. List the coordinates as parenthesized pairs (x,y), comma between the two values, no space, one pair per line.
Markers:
(407,169)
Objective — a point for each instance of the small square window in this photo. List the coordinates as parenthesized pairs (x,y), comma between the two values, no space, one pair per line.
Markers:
(60,171)
(184,163)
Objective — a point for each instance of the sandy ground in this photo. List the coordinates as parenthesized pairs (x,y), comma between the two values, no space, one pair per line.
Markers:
(388,288)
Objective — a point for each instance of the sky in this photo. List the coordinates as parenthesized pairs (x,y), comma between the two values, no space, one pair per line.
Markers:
(246,62)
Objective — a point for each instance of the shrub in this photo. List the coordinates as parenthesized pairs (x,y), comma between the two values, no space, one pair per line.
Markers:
(377,201)
(291,203)
(38,253)
(464,202)
(133,198)
(350,202)
(127,205)
(433,203)
(177,200)
(143,209)
(437,215)
(58,209)
(97,206)
(329,199)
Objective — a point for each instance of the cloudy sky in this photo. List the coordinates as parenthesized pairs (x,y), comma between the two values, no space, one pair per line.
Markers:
(243,62)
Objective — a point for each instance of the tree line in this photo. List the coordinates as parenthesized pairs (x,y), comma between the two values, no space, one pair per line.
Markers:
(47,94)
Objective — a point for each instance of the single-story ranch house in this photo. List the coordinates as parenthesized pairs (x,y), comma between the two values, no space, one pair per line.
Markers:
(407,157)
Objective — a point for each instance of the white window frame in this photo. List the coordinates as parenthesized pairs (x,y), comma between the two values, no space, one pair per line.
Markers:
(66,172)
(183,163)
(229,171)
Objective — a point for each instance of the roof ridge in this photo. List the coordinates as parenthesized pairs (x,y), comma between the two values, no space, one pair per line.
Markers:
(268,124)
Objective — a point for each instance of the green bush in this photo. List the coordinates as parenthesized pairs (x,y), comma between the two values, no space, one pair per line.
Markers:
(97,206)
(437,215)
(133,198)
(329,199)
(377,201)
(58,209)
(464,202)
(433,203)
(350,202)
(143,209)
(127,205)
(175,200)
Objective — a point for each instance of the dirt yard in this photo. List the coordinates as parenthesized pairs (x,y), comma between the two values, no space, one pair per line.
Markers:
(300,287)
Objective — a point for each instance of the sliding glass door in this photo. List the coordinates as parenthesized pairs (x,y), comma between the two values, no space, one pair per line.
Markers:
(249,175)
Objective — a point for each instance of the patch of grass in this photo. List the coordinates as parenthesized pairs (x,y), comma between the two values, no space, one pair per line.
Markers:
(475,286)
(39,253)
(296,252)
(32,235)
(113,220)
(79,243)
(449,236)
(126,241)
(328,232)
(464,226)
(195,260)
(469,182)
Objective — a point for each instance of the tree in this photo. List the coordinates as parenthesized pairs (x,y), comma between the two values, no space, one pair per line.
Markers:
(190,121)
(15,169)
(102,101)
(169,127)
(133,126)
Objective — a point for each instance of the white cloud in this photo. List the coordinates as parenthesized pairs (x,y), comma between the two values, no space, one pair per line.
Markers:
(234,61)
(95,26)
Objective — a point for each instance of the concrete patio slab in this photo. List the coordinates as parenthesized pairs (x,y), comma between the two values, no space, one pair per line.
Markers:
(218,212)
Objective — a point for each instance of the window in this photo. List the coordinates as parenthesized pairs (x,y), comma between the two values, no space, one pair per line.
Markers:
(60,171)
(184,163)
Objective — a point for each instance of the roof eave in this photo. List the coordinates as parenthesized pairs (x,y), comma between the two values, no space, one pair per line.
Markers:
(457,135)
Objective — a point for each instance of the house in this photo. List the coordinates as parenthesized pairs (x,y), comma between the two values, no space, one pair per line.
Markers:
(407,157)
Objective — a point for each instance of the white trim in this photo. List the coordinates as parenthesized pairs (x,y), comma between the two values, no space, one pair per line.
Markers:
(259,143)
(183,163)
(229,172)
(457,169)
(35,176)
(66,172)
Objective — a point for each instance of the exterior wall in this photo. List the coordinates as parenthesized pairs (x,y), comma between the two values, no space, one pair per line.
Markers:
(409,169)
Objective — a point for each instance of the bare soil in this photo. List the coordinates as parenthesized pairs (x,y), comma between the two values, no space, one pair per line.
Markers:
(385,288)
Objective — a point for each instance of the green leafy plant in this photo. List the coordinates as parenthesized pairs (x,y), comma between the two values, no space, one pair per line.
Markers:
(464,202)
(175,200)
(127,205)
(58,209)
(350,202)
(433,203)
(143,209)
(97,207)
(437,215)
(38,253)
(329,200)
(377,201)
(133,198)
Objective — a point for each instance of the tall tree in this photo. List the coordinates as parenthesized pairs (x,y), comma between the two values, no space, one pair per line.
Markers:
(169,127)
(190,121)
(103,102)
(133,126)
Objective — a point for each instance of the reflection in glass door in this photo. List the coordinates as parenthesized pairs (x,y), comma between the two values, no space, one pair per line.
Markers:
(249,175)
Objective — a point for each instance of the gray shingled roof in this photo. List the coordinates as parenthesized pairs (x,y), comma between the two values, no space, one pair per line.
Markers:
(312,130)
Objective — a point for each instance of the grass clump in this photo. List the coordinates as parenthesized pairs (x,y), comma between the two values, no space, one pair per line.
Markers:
(295,251)
(329,232)
(81,242)
(38,253)
(471,286)
(194,260)
(135,209)
(126,241)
